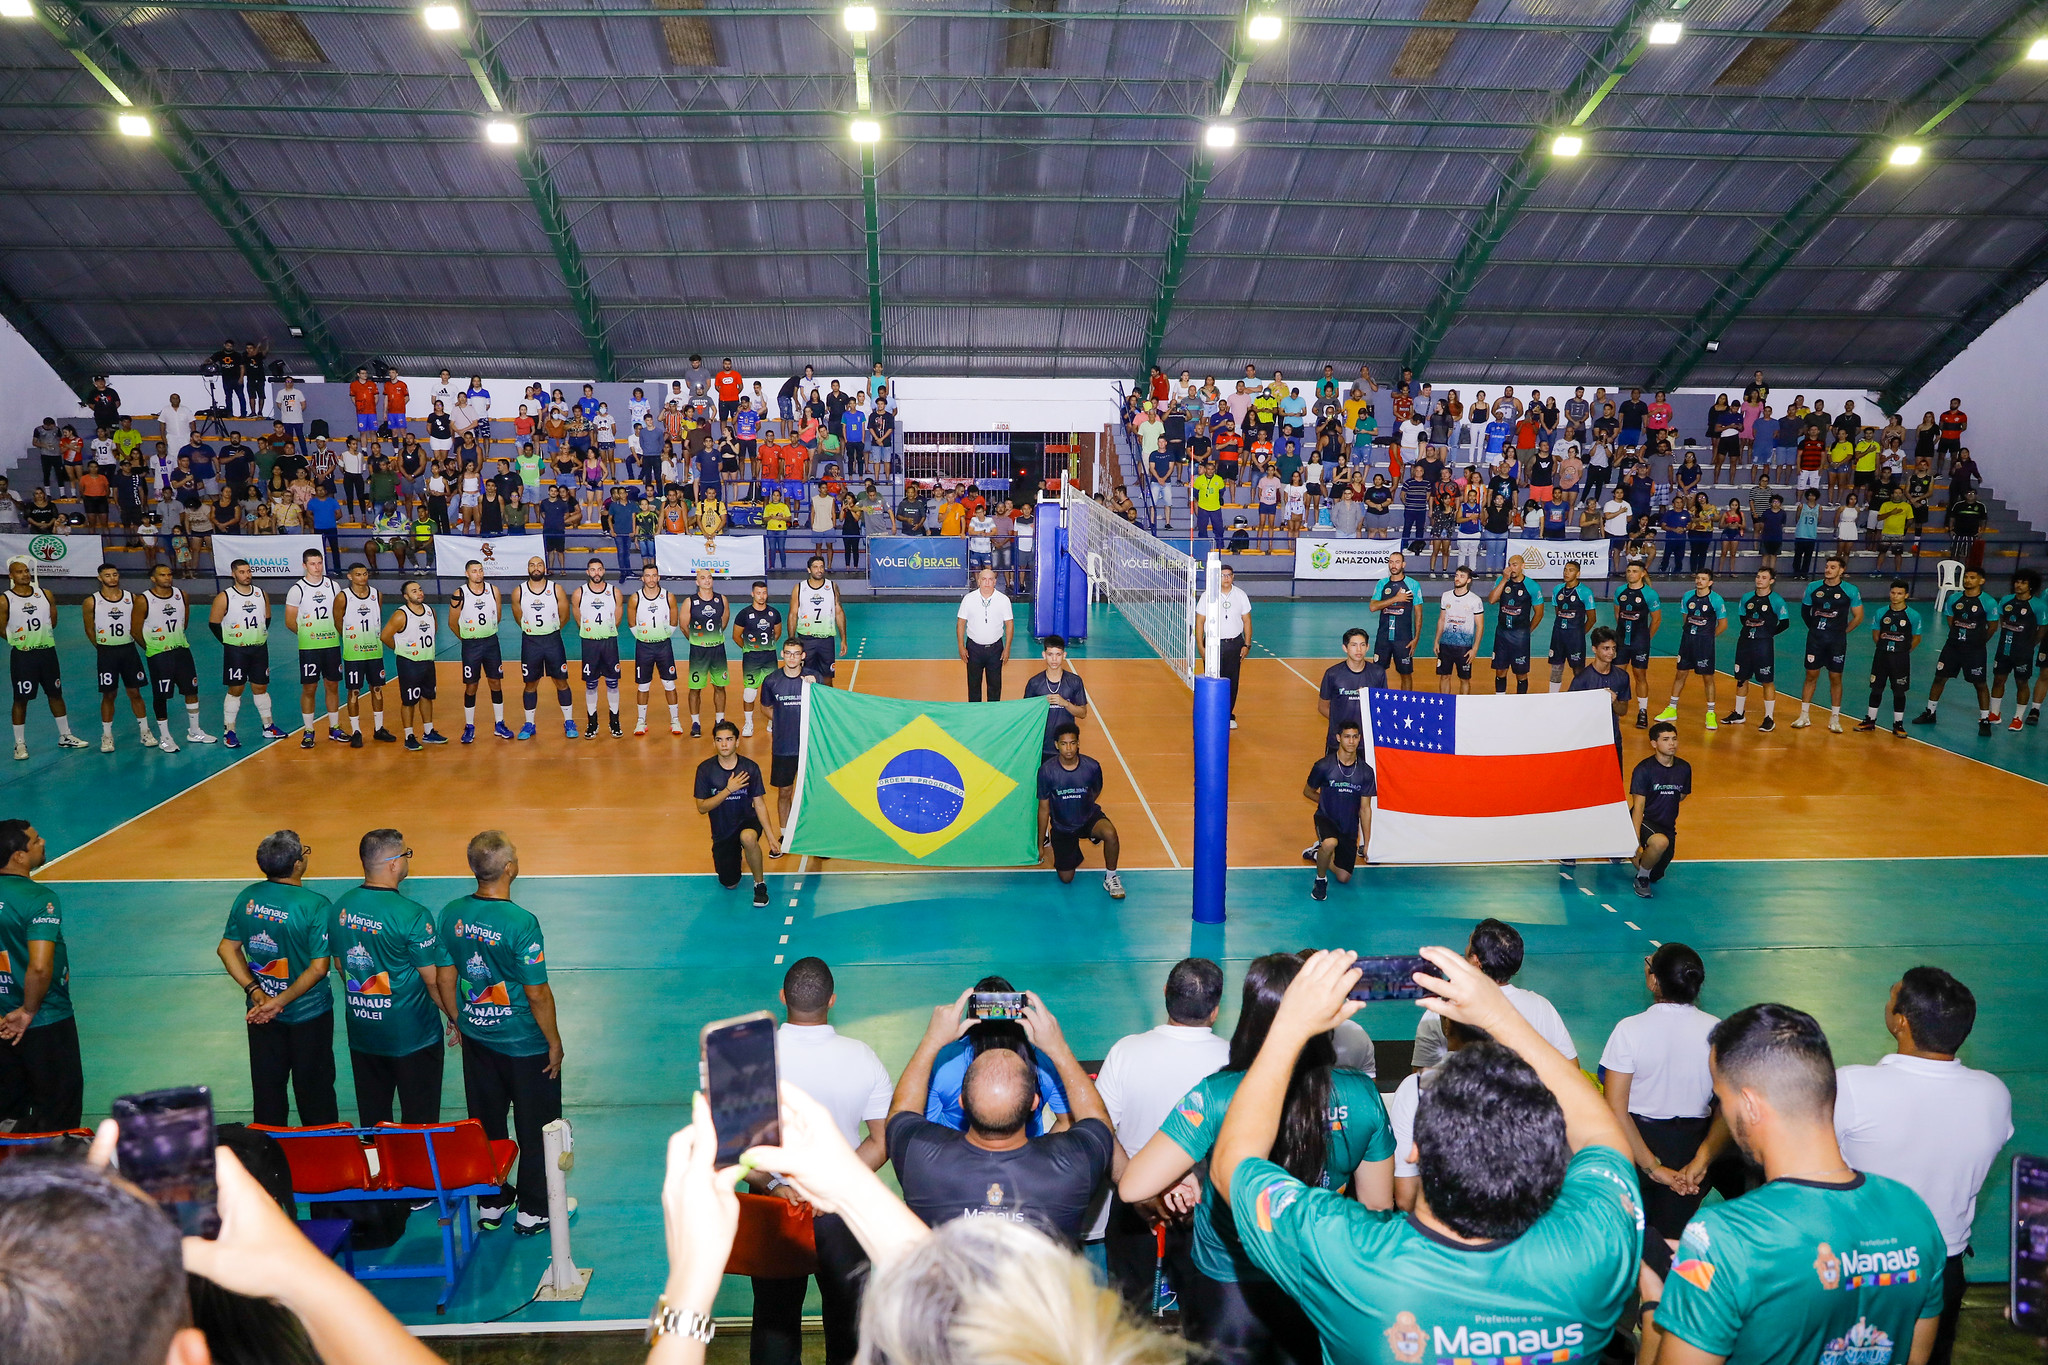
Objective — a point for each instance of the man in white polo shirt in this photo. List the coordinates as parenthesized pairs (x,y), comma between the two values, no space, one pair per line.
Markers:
(983,630)
(1232,611)
(1495,948)
(1924,1119)
(848,1079)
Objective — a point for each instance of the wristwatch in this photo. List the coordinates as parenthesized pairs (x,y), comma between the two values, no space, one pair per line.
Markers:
(668,1320)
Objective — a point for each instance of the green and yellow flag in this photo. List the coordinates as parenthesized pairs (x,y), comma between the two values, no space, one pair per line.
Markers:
(888,781)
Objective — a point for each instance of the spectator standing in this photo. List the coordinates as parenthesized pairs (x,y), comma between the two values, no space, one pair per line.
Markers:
(1495,948)
(42,1081)
(275,947)
(398,984)
(1922,1118)
(984,626)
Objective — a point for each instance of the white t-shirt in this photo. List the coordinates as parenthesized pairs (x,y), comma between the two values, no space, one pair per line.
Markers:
(1541,1014)
(177,424)
(1297,500)
(1461,612)
(1664,1049)
(1141,1080)
(1412,433)
(1401,1118)
(985,616)
(1231,608)
(841,1073)
(1934,1126)
(1617,513)
(979,529)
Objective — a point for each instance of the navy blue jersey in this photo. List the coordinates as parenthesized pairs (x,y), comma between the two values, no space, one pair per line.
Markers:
(1570,608)
(1969,621)
(1763,618)
(1662,789)
(1518,602)
(1633,608)
(1827,610)
(2019,621)
(1895,632)
(1701,614)
(1341,791)
(1070,794)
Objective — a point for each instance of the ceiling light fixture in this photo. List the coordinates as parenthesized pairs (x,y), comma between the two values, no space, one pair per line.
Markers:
(1567,144)
(502,133)
(1666,32)
(17,9)
(1906,154)
(1220,135)
(1264,27)
(442,18)
(865,131)
(2037,51)
(859,18)
(133,125)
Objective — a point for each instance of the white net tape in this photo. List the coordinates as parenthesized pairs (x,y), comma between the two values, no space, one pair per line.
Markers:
(1149,581)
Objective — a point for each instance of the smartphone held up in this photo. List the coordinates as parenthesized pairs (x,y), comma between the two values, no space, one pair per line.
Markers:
(166,1150)
(736,1070)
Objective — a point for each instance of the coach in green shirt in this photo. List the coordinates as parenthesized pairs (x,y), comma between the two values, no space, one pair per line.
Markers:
(1527,1234)
(1821,1263)
(275,947)
(398,982)
(511,1050)
(42,1083)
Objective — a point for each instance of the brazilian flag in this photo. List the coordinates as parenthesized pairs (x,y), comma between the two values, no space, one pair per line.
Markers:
(945,784)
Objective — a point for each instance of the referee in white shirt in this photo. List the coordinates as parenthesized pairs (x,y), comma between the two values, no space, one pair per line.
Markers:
(1924,1119)
(1495,948)
(1141,1080)
(844,1075)
(984,629)
(1233,628)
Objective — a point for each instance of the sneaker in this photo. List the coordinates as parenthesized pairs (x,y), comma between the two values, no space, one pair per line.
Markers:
(747,730)
(615,728)
(696,728)
(198,737)
(334,733)
(590,729)
(1668,713)
(1643,888)
(228,740)
(1712,724)
(148,740)
(1642,720)
(1766,725)
(1984,728)
(1320,889)
(20,750)
(413,745)
(1802,722)
(1866,725)
(490,1217)
(106,744)
(503,731)
(2019,722)
(1114,885)
(71,742)
(530,1224)
(639,729)
(568,729)
(1899,728)
(1733,718)
(306,741)
(778,852)
(1834,724)
(1924,718)
(761,893)
(469,734)
(384,736)
(355,740)
(170,746)
(433,737)
(1308,855)
(272,732)
(527,731)
(2034,716)
(675,727)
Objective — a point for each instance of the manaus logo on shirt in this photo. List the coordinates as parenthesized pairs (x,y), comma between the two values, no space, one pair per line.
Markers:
(1191,1109)
(1862,1344)
(1828,1266)
(533,956)
(1275,1200)
(1406,1338)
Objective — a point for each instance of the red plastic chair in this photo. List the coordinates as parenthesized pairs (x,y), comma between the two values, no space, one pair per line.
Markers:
(323,1164)
(462,1161)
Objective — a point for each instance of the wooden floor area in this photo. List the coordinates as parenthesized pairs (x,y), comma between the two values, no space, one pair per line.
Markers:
(616,807)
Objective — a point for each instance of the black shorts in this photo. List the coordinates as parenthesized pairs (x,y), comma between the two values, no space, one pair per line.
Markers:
(1630,656)
(601,660)
(172,670)
(2021,667)
(1643,834)
(1455,658)
(362,675)
(1568,649)
(415,681)
(1891,668)
(34,670)
(1759,666)
(315,664)
(1066,843)
(1345,855)
(1696,656)
(543,655)
(782,770)
(1511,652)
(1826,655)
(121,665)
(821,652)
(1400,658)
(482,658)
(651,657)
(727,855)
(245,664)
(1960,661)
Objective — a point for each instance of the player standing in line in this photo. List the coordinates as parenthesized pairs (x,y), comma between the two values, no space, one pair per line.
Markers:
(240,620)
(169,656)
(1655,789)
(410,633)
(110,615)
(705,613)
(1572,614)
(1891,663)
(1341,697)
(818,618)
(2019,630)
(28,614)
(729,790)
(1832,609)
(1521,611)
(754,629)
(1067,698)
(543,606)
(362,655)
(654,651)
(1395,599)
(310,614)
(782,692)
(1637,613)
(473,618)
(1342,786)
(1460,617)
(1702,617)
(1761,618)
(598,610)
(1962,653)
(1069,787)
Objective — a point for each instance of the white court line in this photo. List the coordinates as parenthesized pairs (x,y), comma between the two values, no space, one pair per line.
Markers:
(1095,713)
(157,807)
(1289,667)
(860,652)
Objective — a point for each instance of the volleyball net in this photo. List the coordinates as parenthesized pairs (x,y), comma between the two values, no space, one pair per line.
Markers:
(1150,582)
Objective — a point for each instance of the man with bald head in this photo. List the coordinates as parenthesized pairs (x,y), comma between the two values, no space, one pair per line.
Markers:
(996,1168)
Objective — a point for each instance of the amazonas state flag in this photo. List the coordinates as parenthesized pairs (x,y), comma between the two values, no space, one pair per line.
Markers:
(889,781)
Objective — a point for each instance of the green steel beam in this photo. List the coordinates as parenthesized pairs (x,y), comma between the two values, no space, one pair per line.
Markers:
(482,60)
(1835,191)
(870,200)
(199,168)
(17,312)
(2022,278)
(1612,58)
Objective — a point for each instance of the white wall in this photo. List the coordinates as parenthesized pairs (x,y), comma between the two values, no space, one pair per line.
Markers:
(2000,379)
(32,391)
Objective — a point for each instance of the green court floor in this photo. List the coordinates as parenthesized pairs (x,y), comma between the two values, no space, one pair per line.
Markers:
(639,964)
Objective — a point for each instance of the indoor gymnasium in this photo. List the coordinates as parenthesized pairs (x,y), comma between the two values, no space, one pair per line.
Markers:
(666,665)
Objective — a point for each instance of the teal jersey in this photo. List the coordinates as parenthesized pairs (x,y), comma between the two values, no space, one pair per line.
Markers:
(1827,610)
(1633,608)
(1384,1290)
(2019,622)
(1358,1131)
(382,938)
(31,913)
(1702,614)
(1763,617)
(1969,619)
(497,950)
(1800,1273)
(282,929)
(1517,608)
(1895,632)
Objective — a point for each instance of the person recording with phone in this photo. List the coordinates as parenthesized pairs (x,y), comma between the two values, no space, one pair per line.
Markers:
(1495,948)
(995,1168)
(994,1024)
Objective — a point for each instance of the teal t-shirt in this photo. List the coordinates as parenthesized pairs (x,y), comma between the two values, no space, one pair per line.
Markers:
(1358,1131)
(1384,1290)
(497,949)
(382,938)
(1801,1273)
(282,929)
(31,913)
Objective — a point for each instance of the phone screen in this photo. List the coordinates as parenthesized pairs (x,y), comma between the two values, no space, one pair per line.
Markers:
(996,1005)
(166,1149)
(1390,978)
(2030,1244)
(739,1077)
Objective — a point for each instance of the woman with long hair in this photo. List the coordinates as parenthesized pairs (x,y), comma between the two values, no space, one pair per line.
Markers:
(1333,1134)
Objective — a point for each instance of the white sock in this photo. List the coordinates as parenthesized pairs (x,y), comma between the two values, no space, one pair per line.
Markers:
(675,713)
(230,707)
(164,727)
(355,723)
(1982,714)
(498,711)
(643,713)
(106,729)
(377,719)
(64,724)
(1871,714)
(721,716)
(21,734)
(1835,711)
(529,714)
(263,706)
(191,716)
(1771,707)
(334,720)
(611,697)
(408,732)
(310,719)
(590,701)
(142,724)
(1804,707)
(469,714)
(1931,704)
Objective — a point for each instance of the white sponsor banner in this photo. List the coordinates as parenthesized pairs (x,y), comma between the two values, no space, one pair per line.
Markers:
(268,556)
(1547,558)
(57,556)
(501,556)
(1362,560)
(727,556)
